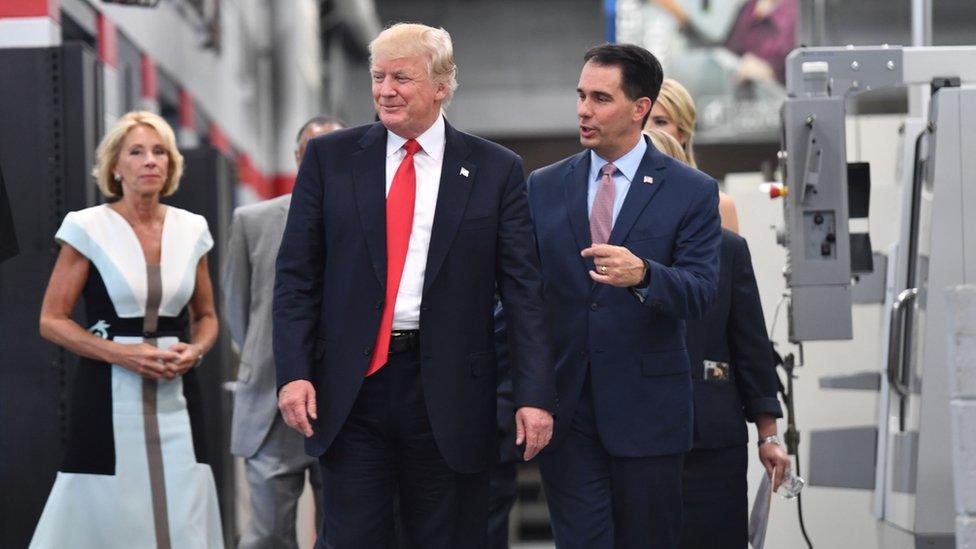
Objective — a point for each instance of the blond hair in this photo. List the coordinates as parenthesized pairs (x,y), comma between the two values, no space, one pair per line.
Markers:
(416,40)
(679,105)
(107,153)
(666,143)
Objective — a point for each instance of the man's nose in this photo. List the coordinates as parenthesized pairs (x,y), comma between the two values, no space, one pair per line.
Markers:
(583,108)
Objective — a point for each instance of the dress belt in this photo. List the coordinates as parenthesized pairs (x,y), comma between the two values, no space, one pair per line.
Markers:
(167,326)
(403,341)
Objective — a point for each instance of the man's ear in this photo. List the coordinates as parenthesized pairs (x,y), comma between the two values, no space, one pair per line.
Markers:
(641,107)
(440,94)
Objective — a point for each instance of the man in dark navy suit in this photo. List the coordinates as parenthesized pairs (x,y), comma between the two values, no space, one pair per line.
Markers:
(398,234)
(628,239)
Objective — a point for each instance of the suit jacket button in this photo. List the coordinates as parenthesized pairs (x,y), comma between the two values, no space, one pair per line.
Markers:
(379,305)
(594,306)
(424,307)
(367,351)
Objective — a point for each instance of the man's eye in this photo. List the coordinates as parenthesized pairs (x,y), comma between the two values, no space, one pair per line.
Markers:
(403,79)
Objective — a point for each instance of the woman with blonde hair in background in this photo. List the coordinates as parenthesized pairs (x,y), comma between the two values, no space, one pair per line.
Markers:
(674,114)
(134,472)
(667,144)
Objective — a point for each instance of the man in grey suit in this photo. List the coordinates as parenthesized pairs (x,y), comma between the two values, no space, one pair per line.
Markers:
(274,455)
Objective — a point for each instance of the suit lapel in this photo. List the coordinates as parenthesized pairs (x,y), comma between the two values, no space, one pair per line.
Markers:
(576,189)
(452,199)
(369,174)
(639,194)
(576,206)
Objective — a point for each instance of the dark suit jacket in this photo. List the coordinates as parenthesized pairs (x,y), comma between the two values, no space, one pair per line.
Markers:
(8,238)
(733,332)
(507,451)
(635,351)
(331,273)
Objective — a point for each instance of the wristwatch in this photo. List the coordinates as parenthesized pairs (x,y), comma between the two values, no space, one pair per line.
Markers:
(774,439)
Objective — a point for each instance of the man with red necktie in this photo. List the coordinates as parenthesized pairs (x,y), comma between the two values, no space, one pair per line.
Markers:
(398,235)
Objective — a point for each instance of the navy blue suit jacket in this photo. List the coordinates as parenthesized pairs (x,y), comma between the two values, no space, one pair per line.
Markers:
(635,351)
(733,332)
(331,274)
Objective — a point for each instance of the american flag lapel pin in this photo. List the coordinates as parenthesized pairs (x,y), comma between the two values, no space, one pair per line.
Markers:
(464,172)
(648,180)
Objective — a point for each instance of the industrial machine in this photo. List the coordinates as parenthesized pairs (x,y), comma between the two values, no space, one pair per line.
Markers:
(912,463)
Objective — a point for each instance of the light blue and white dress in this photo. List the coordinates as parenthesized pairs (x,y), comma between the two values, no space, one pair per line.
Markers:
(134,472)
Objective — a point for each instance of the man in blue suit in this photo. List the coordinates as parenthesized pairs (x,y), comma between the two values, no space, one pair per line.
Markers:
(398,235)
(628,239)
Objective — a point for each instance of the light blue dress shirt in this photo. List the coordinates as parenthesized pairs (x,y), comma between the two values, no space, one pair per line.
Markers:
(626,170)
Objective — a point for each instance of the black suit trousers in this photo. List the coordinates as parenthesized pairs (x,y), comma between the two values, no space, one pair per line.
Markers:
(716,499)
(386,448)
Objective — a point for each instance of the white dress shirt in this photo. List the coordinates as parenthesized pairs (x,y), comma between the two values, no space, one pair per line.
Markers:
(427,164)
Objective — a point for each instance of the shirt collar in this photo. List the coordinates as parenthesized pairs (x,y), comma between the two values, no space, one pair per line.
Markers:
(626,165)
(432,141)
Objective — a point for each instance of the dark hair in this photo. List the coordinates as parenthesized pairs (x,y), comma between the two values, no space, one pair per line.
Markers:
(641,72)
(320,120)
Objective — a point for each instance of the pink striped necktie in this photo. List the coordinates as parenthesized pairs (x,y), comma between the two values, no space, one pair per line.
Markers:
(601,217)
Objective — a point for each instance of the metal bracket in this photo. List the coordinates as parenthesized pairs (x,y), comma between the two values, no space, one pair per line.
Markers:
(814,157)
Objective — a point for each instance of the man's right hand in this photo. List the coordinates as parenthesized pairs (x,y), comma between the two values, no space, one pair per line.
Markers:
(296,400)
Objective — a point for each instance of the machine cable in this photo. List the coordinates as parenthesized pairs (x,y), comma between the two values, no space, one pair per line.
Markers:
(792,436)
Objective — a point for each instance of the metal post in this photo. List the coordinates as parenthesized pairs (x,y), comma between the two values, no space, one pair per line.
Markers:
(918,96)
(921,22)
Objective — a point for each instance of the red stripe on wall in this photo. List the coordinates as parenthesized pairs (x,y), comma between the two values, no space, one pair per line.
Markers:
(249,175)
(219,139)
(188,115)
(282,183)
(30,8)
(108,43)
(150,89)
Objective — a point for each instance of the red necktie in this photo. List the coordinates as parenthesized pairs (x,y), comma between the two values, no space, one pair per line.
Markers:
(399,221)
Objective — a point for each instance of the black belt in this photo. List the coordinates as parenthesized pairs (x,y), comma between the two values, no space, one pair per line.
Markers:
(403,341)
(166,326)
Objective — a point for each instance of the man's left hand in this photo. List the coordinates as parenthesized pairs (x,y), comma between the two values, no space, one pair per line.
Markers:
(776,461)
(534,427)
(615,265)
